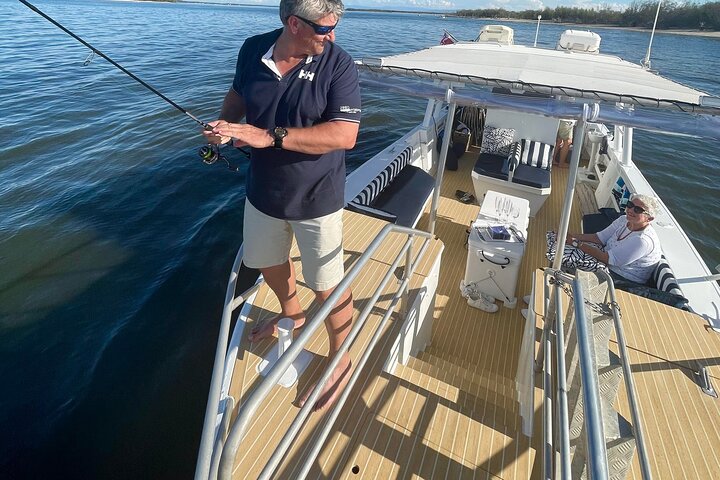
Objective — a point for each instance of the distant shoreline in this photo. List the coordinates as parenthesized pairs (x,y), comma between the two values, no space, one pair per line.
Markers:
(686,32)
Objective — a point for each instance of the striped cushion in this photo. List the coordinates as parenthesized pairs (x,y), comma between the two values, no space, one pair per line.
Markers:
(514,156)
(663,278)
(536,154)
(379,183)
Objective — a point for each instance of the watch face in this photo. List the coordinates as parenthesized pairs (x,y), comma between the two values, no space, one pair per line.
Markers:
(279,132)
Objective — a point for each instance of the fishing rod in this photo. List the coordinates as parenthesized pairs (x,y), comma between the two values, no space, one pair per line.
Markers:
(209,153)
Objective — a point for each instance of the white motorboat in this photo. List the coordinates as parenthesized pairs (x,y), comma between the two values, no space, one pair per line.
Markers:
(442,388)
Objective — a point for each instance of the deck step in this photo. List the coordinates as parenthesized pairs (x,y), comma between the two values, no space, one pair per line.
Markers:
(609,378)
(433,353)
(620,445)
(464,376)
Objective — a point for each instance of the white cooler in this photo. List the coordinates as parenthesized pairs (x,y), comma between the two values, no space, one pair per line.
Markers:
(493,265)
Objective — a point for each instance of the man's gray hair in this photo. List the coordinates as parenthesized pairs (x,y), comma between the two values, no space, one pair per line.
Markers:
(310,9)
(652,206)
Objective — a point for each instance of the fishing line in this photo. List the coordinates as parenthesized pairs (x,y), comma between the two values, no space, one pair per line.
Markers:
(209,153)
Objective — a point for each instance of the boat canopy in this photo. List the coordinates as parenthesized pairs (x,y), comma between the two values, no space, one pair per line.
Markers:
(598,78)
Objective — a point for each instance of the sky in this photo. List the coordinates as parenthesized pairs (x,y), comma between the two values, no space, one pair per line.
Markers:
(453,5)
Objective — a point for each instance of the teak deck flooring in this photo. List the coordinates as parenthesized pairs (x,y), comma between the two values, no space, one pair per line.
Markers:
(452,411)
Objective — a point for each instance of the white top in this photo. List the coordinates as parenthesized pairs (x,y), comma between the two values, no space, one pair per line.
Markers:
(631,254)
(576,74)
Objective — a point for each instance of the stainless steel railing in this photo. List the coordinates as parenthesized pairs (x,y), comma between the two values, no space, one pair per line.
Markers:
(207,439)
(597,462)
(237,432)
(629,382)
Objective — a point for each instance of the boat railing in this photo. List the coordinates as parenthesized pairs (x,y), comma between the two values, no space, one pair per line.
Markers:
(208,438)
(222,456)
(555,388)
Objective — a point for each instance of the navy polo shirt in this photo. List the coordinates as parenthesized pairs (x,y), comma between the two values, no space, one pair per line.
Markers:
(282,183)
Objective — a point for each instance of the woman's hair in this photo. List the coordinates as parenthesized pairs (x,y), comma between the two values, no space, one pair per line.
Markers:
(651,203)
(310,9)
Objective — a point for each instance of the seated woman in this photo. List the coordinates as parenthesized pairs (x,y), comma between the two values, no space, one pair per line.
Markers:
(630,246)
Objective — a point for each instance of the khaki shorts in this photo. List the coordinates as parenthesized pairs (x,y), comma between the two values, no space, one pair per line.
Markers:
(268,241)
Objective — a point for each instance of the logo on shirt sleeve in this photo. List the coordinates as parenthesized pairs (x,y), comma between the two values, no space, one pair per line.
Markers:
(306,75)
(347,109)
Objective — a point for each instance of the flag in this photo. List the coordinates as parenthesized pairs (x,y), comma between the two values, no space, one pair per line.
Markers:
(447,38)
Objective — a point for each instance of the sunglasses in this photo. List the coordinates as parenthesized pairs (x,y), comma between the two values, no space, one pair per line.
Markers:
(319,29)
(635,208)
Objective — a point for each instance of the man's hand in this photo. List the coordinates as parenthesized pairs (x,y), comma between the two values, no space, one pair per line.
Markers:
(243,134)
(213,137)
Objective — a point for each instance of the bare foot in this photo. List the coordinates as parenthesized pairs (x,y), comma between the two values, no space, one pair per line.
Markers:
(269,328)
(333,388)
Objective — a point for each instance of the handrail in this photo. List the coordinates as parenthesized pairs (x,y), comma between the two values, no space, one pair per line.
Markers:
(629,382)
(562,401)
(595,433)
(319,440)
(596,448)
(253,402)
(202,470)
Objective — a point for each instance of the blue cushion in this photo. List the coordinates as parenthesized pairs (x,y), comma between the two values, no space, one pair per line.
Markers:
(491,166)
(371,212)
(532,176)
(406,195)
(595,222)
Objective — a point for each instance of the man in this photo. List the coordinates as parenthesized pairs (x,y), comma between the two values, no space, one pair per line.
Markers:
(300,96)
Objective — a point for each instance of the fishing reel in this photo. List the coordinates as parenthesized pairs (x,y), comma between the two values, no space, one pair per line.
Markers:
(211,153)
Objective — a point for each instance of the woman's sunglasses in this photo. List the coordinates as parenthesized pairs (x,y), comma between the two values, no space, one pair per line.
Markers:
(635,208)
(319,29)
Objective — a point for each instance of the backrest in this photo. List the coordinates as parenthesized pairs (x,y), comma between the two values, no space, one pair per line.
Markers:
(383,179)
(526,125)
(663,278)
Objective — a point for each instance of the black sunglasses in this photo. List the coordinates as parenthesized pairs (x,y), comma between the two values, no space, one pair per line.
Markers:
(319,29)
(635,208)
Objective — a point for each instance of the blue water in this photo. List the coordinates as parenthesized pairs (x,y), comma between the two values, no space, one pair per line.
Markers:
(116,241)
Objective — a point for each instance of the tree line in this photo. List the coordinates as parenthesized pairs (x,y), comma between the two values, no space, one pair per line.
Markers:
(687,15)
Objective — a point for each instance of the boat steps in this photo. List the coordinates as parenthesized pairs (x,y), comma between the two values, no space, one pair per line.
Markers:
(465,387)
(468,377)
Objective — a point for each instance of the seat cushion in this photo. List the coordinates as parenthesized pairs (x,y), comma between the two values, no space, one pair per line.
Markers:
(371,212)
(405,197)
(532,176)
(384,178)
(491,166)
(595,222)
(536,154)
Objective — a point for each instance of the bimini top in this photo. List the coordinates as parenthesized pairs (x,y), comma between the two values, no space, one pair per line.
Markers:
(551,72)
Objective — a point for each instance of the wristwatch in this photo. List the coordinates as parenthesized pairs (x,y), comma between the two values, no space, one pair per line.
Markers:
(278,133)
(575,243)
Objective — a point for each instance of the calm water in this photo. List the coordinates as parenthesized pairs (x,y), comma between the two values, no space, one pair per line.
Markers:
(116,241)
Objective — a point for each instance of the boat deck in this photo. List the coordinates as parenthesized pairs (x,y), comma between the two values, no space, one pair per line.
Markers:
(452,411)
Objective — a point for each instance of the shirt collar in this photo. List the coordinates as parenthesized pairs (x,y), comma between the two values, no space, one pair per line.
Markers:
(268,60)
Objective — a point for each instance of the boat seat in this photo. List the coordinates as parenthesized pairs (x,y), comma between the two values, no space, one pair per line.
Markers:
(406,196)
(490,165)
(531,176)
(594,222)
(398,194)
(662,278)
